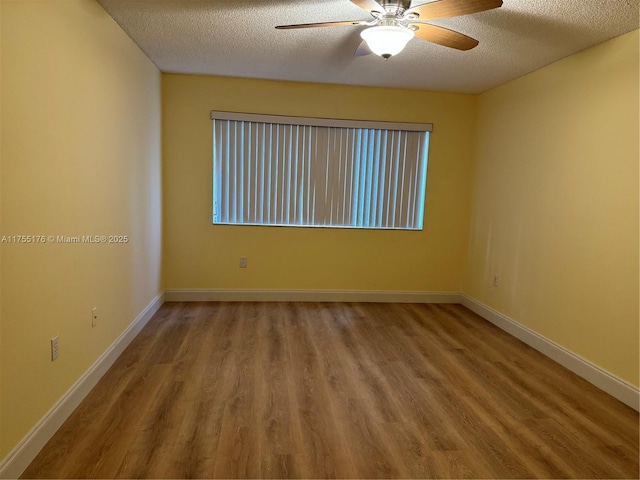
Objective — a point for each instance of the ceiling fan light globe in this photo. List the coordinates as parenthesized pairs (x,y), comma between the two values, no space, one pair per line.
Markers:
(386,41)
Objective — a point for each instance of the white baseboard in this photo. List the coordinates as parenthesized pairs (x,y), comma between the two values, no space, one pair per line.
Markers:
(614,386)
(370,296)
(23,454)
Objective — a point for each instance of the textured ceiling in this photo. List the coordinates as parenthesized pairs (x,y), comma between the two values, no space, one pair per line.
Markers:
(238,38)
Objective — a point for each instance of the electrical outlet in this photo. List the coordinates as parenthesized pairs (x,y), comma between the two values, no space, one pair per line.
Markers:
(496,279)
(55,348)
(94,316)
(243,262)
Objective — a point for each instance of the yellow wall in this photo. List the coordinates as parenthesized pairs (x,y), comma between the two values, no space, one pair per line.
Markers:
(80,114)
(1,367)
(555,204)
(199,255)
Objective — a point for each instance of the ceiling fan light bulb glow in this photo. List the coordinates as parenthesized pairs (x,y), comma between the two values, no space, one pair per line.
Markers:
(387,40)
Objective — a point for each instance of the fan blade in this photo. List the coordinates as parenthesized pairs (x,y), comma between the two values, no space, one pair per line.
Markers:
(452,8)
(444,36)
(369,5)
(322,24)
(362,50)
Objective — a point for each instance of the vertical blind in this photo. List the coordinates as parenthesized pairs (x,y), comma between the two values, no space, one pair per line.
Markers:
(272,173)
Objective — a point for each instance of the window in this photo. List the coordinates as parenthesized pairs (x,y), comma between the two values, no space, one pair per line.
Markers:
(271,170)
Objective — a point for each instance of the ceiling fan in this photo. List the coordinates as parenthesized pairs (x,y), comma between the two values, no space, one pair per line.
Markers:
(395,22)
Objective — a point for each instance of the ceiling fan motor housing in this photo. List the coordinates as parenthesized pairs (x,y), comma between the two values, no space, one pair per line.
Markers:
(399,4)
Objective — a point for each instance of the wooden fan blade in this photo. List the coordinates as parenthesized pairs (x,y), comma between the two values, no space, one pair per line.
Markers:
(321,24)
(369,5)
(444,36)
(362,50)
(452,8)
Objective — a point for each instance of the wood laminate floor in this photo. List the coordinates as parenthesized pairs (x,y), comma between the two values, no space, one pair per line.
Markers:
(311,390)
